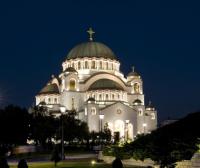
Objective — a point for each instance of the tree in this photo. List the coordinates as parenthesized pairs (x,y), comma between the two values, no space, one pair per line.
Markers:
(43,127)
(3,163)
(14,122)
(117,163)
(169,144)
(73,128)
(22,164)
(106,134)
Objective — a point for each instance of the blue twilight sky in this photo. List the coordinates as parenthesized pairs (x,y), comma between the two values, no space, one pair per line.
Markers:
(160,38)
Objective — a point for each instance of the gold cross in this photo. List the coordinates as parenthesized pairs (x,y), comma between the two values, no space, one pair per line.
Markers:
(90,32)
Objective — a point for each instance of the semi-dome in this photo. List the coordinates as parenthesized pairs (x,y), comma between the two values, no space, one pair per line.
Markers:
(70,69)
(150,106)
(105,84)
(91,49)
(50,89)
(137,102)
(133,73)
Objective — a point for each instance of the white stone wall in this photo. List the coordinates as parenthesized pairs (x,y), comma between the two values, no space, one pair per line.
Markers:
(48,99)
(66,99)
(119,111)
(133,97)
(93,117)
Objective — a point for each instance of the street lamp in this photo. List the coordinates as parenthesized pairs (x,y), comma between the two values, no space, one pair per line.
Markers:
(144,127)
(127,122)
(101,117)
(62,110)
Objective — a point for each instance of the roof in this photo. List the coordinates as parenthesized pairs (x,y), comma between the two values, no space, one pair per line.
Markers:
(50,89)
(133,74)
(91,99)
(150,106)
(91,49)
(137,101)
(105,84)
(70,69)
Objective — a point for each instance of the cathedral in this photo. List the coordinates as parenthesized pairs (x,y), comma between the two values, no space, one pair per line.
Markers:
(92,84)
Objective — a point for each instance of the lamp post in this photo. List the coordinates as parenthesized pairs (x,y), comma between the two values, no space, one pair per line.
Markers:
(101,117)
(62,110)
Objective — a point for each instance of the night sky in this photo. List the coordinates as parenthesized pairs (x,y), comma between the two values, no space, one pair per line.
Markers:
(160,38)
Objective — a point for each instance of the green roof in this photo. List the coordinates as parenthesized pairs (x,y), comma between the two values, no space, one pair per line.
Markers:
(91,49)
(70,69)
(105,84)
(133,74)
(138,101)
(50,89)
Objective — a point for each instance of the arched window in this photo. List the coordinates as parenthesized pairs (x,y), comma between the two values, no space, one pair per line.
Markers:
(86,65)
(106,96)
(93,64)
(113,96)
(100,65)
(49,100)
(106,65)
(93,111)
(72,65)
(118,96)
(79,65)
(72,84)
(136,88)
(100,97)
(140,112)
(153,116)
(55,100)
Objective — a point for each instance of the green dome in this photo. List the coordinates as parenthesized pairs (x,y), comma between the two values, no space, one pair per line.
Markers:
(105,84)
(70,69)
(91,49)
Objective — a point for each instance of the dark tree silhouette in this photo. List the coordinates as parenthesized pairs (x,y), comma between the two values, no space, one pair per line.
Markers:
(117,163)
(3,163)
(14,124)
(22,164)
(169,144)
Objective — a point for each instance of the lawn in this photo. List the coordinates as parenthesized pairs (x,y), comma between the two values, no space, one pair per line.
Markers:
(68,164)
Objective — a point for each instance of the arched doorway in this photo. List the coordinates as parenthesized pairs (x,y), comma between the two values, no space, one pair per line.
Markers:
(72,84)
(119,127)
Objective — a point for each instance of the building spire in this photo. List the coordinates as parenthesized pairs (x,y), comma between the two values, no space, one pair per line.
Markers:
(90,32)
(133,68)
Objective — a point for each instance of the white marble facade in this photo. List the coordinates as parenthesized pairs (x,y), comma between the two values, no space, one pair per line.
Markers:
(91,82)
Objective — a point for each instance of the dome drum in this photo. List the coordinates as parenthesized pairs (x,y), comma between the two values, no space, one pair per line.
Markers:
(92,64)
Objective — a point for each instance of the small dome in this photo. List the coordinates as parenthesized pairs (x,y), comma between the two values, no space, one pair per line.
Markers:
(50,89)
(133,73)
(150,106)
(91,99)
(105,84)
(91,49)
(137,102)
(42,103)
(70,69)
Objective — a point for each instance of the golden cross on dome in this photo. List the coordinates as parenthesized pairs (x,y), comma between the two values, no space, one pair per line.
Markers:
(90,32)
